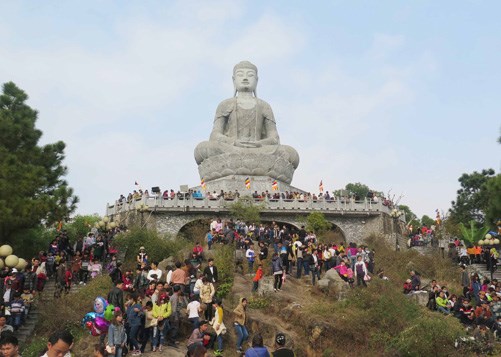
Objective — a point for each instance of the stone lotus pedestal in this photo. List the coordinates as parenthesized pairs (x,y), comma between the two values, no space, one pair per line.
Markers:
(248,164)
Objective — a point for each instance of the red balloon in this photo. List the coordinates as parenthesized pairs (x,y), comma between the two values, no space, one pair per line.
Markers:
(94,331)
(88,324)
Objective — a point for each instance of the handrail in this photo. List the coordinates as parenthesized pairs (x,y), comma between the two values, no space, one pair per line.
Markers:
(270,204)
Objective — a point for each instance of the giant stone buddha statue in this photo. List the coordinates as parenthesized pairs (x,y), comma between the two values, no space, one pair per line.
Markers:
(244,139)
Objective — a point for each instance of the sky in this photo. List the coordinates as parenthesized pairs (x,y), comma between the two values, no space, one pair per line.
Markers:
(401,96)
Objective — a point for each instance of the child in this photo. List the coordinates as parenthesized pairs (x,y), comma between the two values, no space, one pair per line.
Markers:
(27,297)
(127,279)
(50,264)
(116,334)
(257,277)
(150,324)
(17,311)
(68,277)
(84,269)
(95,269)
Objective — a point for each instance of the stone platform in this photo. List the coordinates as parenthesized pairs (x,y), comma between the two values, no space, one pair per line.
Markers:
(237,182)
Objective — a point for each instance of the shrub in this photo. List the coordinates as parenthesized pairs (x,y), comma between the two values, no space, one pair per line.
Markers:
(258,302)
(35,347)
(224,259)
(429,335)
(68,311)
(158,247)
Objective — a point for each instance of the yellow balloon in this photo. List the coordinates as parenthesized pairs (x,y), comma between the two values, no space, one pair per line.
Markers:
(2,264)
(5,250)
(21,264)
(11,261)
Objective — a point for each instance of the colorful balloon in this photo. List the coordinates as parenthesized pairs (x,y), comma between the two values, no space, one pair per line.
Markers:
(109,312)
(100,305)
(94,331)
(101,324)
(90,316)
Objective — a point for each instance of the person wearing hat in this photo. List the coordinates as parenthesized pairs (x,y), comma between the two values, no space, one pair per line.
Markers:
(280,349)
(142,257)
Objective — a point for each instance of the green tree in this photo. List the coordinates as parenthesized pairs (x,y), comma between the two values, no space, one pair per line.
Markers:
(472,198)
(79,226)
(410,216)
(317,223)
(493,192)
(427,221)
(358,189)
(32,188)
(246,209)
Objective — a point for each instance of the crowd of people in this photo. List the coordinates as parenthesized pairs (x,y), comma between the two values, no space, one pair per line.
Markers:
(478,307)
(157,307)
(346,197)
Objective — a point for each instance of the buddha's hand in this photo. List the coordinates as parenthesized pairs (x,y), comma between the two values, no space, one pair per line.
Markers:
(247,144)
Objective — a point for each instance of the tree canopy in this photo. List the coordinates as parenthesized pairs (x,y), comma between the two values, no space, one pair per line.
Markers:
(32,188)
(473,197)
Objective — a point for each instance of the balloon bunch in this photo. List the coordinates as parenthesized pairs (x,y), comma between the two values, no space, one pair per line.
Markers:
(98,321)
(10,260)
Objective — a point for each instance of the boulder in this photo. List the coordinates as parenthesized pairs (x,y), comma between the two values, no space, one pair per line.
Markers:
(266,285)
(165,263)
(334,279)
(323,284)
(419,297)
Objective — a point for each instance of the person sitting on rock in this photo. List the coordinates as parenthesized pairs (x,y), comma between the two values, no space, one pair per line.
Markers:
(407,286)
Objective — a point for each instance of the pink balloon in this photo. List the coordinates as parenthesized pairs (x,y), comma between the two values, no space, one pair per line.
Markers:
(101,324)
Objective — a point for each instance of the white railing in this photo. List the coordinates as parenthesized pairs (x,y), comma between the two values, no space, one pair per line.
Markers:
(202,204)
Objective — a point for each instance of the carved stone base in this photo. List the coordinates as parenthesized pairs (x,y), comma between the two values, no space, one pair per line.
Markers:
(250,164)
(237,182)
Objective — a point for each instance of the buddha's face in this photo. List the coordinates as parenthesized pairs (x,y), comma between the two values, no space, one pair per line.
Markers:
(245,80)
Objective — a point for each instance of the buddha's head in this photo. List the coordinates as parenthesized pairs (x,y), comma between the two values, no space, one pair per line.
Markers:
(245,77)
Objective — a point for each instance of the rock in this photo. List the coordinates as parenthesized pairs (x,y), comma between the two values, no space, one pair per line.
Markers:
(165,263)
(419,297)
(323,284)
(266,285)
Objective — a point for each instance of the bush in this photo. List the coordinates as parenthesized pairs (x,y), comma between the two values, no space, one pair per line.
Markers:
(258,302)
(429,336)
(68,311)
(158,247)
(224,259)
(35,347)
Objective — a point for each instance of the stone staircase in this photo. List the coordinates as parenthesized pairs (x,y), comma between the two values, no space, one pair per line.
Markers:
(482,271)
(26,331)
